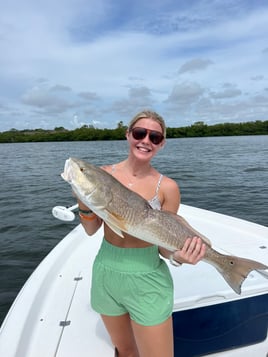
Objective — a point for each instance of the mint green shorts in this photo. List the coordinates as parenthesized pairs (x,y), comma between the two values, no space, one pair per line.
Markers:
(132,280)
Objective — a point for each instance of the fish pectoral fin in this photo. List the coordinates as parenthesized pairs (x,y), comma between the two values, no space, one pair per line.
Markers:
(115,229)
(116,223)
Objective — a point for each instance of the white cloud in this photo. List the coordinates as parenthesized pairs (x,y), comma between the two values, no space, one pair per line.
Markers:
(89,96)
(226,93)
(104,60)
(46,100)
(195,64)
(185,94)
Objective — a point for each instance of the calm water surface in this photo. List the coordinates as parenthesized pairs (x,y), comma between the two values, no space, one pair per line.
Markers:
(225,174)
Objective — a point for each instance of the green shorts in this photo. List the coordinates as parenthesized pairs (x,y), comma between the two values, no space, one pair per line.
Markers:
(132,280)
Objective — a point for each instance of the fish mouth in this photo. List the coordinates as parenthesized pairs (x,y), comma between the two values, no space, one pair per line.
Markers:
(65,178)
(74,175)
(67,174)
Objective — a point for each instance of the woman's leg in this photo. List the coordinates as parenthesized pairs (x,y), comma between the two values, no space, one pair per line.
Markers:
(156,341)
(121,333)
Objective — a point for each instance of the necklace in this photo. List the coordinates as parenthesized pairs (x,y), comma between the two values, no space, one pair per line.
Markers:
(133,178)
(130,181)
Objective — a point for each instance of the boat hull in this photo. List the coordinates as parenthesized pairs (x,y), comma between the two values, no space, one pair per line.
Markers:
(52,315)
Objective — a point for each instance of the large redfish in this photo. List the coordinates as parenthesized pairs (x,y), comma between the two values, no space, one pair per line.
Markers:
(124,211)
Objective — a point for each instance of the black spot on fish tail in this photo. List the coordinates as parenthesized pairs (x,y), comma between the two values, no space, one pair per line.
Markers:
(235,270)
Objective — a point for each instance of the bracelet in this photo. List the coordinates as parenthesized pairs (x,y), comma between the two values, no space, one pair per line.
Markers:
(85,211)
(173,261)
(88,218)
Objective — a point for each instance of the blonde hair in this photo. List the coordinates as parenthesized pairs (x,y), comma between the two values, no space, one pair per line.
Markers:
(149,115)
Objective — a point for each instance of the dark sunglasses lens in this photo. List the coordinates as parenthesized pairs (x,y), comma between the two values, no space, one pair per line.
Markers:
(139,133)
(156,137)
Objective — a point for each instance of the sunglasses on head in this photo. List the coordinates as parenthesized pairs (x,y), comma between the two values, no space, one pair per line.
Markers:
(155,136)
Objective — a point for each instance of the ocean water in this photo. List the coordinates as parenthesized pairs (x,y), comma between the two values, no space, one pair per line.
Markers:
(224,174)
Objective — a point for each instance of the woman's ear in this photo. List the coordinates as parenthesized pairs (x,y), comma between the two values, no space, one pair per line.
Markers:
(163,144)
(127,134)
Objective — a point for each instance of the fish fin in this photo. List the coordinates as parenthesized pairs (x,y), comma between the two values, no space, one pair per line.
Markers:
(263,272)
(115,229)
(116,223)
(198,234)
(236,269)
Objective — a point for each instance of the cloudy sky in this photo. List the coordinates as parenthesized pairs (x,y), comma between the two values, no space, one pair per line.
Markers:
(97,62)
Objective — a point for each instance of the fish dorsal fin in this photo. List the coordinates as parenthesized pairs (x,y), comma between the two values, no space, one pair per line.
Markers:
(198,234)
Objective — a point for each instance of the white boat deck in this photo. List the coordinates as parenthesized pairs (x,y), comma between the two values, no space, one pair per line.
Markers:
(52,315)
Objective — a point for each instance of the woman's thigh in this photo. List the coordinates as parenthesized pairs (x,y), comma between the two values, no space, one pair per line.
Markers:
(154,340)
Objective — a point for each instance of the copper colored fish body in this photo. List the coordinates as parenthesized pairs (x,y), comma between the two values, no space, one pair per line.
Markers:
(124,211)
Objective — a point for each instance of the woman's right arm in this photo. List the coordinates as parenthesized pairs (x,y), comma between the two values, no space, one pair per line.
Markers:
(90,221)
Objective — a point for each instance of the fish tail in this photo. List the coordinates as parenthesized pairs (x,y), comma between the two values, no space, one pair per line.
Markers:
(263,273)
(236,269)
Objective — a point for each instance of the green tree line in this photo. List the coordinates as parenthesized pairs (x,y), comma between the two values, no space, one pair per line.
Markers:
(89,133)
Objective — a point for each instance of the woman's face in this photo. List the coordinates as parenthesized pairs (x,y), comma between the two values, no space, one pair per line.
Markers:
(145,147)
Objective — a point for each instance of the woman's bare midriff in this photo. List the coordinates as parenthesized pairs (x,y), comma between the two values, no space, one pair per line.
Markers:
(127,242)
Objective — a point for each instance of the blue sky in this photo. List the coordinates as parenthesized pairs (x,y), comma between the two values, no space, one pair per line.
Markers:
(97,62)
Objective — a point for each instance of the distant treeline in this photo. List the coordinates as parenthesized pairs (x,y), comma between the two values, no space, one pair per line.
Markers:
(89,133)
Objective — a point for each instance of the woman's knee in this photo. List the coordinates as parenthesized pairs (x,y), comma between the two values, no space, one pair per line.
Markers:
(121,334)
(130,352)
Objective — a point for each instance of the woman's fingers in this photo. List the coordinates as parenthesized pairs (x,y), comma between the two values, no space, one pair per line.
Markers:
(192,251)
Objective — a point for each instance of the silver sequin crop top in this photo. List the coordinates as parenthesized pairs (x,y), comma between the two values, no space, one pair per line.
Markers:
(154,202)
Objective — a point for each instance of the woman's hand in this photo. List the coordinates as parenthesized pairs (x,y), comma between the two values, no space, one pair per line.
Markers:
(192,252)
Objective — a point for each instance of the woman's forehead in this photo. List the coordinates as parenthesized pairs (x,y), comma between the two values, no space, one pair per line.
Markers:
(148,123)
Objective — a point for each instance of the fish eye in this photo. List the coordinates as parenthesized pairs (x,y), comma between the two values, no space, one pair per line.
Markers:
(81,169)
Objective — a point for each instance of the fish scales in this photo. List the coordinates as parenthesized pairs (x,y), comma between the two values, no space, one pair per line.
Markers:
(157,227)
(125,205)
(127,212)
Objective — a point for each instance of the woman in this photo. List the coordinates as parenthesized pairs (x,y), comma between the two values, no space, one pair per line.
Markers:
(132,288)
